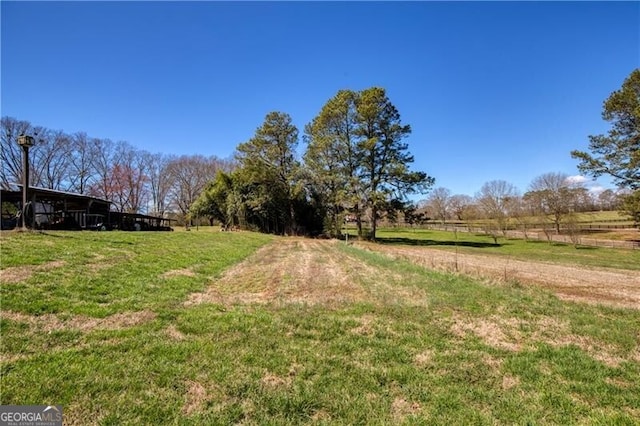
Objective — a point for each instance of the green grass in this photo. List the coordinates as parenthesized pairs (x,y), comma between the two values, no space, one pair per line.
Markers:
(514,248)
(360,363)
(105,273)
(599,217)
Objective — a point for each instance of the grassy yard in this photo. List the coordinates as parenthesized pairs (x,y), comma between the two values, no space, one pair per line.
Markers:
(98,322)
(516,248)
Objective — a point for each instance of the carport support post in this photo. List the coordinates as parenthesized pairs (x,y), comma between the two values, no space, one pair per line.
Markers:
(25,186)
(25,142)
(33,211)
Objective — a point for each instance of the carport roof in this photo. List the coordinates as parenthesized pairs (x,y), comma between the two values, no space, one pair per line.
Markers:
(13,192)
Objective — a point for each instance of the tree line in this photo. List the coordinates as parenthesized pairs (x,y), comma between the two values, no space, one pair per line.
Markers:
(356,163)
(356,167)
(134,180)
(551,200)
(556,195)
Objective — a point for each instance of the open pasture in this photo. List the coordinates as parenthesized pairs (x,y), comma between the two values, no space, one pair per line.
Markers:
(513,248)
(207,327)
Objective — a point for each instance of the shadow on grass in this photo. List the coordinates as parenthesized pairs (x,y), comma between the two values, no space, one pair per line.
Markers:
(560,244)
(548,243)
(416,242)
(74,237)
(54,235)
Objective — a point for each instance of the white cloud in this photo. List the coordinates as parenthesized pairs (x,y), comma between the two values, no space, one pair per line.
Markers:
(576,180)
(596,189)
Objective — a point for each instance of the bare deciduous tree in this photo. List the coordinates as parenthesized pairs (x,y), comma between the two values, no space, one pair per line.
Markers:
(129,177)
(439,203)
(609,200)
(102,154)
(554,194)
(10,152)
(81,167)
(189,176)
(458,203)
(159,181)
(133,180)
(50,159)
(494,199)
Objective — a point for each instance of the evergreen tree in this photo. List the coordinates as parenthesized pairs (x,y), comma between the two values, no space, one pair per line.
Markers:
(617,154)
(357,157)
(333,159)
(384,173)
(270,174)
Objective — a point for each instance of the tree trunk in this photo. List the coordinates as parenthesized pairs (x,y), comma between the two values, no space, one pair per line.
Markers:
(337,223)
(358,221)
(374,222)
(292,220)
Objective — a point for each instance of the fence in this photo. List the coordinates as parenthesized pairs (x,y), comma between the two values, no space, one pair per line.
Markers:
(542,236)
(597,226)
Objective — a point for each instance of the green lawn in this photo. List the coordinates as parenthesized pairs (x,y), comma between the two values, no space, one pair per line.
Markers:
(516,248)
(467,352)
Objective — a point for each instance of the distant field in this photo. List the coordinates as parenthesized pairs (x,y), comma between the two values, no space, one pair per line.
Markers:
(466,242)
(585,218)
(207,327)
(597,217)
(603,219)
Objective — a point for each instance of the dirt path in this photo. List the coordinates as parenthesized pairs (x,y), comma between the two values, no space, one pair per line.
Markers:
(299,270)
(613,287)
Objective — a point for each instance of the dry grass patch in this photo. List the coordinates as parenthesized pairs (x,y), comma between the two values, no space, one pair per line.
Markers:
(366,327)
(509,334)
(98,263)
(52,348)
(618,287)
(201,394)
(633,412)
(401,408)
(16,274)
(111,257)
(273,381)
(178,273)
(509,382)
(622,384)
(493,332)
(423,358)
(306,271)
(82,412)
(125,320)
(49,322)
(195,399)
(321,416)
(174,333)
(491,361)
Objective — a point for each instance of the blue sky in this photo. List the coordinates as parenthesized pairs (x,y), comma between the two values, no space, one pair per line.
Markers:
(492,90)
